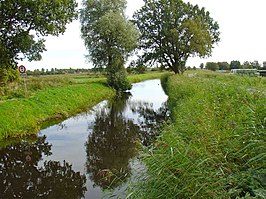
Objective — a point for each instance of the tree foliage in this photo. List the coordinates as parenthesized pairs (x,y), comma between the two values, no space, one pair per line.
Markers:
(172,30)
(108,36)
(223,65)
(235,64)
(24,20)
(201,65)
(8,74)
(212,66)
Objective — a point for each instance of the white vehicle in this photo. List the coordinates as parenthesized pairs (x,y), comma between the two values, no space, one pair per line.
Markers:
(245,72)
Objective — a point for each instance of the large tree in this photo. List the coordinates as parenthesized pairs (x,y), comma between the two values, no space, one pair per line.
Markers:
(109,37)
(223,65)
(235,64)
(25,23)
(172,30)
(212,66)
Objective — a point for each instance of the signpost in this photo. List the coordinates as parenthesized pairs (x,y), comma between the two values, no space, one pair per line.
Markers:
(22,70)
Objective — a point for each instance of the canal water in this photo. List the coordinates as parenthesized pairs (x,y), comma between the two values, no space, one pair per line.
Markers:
(89,155)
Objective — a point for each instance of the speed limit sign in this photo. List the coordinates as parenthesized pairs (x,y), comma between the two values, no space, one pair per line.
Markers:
(22,69)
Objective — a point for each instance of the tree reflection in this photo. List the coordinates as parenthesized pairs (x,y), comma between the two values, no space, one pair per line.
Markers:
(113,140)
(111,145)
(21,177)
(150,120)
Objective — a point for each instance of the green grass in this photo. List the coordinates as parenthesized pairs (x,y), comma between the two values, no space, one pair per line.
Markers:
(215,144)
(27,86)
(50,98)
(147,76)
(23,116)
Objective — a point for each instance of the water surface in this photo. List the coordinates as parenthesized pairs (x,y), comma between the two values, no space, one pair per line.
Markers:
(87,154)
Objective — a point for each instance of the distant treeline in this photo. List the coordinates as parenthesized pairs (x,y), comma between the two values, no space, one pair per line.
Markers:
(233,65)
(54,71)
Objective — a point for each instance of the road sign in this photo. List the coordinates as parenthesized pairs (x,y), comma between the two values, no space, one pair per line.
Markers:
(22,69)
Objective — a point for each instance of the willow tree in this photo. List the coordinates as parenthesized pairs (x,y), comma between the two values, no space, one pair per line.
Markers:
(109,38)
(172,31)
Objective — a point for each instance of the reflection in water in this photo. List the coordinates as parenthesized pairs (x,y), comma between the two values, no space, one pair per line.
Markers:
(150,120)
(112,143)
(21,177)
(100,144)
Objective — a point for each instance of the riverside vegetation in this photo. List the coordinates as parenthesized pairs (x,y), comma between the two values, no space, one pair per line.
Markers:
(24,110)
(214,146)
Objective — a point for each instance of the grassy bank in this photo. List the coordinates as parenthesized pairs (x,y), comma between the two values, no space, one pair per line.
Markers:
(215,144)
(26,115)
(48,98)
(142,77)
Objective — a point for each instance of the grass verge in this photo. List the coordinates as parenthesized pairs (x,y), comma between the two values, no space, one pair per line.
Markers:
(215,144)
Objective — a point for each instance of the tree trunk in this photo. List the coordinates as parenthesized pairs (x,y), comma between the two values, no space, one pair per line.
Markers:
(175,68)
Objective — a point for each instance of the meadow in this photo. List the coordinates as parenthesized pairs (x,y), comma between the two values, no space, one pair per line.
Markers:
(214,145)
(34,102)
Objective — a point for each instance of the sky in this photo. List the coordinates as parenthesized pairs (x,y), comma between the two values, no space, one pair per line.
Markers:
(242,27)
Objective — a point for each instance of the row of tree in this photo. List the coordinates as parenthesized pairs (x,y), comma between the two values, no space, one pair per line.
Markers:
(166,32)
(140,69)
(233,65)
(55,71)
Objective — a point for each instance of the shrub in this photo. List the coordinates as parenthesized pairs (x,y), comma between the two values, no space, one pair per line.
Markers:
(118,81)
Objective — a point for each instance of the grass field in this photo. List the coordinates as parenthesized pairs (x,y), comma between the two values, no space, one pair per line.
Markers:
(214,146)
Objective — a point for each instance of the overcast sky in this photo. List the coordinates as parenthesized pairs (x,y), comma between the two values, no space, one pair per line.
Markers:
(242,27)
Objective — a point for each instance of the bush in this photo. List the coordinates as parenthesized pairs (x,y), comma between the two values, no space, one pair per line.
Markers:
(118,81)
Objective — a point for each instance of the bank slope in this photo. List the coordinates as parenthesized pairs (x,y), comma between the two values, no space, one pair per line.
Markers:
(24,116)
(215,144)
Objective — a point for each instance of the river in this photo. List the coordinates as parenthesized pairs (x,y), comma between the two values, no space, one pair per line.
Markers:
(88,154)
